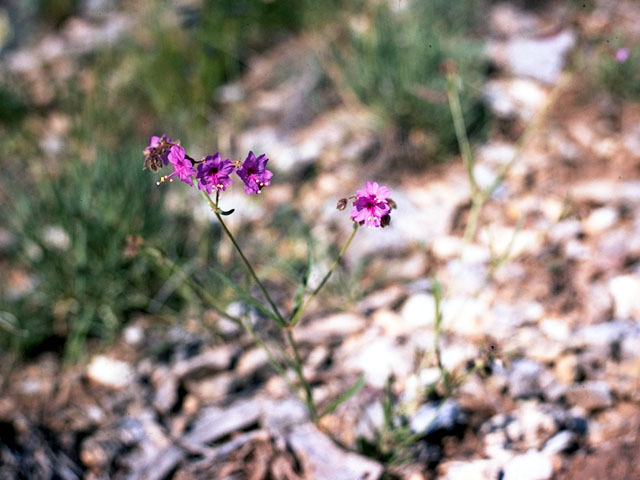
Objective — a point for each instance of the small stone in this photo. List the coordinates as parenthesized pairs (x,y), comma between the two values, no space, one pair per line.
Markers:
(564,230)
(541,59)
(624,290)
(463,315)
(560,442)
(555,329)
(341,324)
(601,220)
(532,465)
(322,459)
(379,358)
(518,97)
(211,389)
(524,378)
(602,335)
(418,311)
(133,335)
(469,470)
(279,416)
(251,360)
(566,369)
(110,373)
(446,418)
(591,395)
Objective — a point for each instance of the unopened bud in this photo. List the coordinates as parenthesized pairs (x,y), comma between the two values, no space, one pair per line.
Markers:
(392,204)
(342,204)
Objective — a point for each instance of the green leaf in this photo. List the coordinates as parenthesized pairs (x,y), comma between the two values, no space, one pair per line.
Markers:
(245,295)
(355,388)
(303,284)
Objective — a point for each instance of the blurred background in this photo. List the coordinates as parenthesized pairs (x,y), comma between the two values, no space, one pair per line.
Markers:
(335,93)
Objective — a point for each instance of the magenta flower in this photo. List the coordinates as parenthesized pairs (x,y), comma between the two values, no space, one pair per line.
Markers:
(622,54)
(213,173)
(254,173)
(182,167)
(371,206)
(157,153)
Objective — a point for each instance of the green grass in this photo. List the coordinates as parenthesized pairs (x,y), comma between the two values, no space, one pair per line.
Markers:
(181,58)
(393,64)
(86,287)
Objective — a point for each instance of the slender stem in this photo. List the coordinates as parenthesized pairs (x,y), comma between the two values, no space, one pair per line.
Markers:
(298,368)
(294,319)
(437,295)
(214,206)
(474,218)
(461,131)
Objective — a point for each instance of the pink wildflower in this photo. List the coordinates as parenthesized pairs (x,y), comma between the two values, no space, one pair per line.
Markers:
(183,169)
(371,206)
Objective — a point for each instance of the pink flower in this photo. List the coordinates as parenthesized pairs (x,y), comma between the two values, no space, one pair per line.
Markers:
(622,54)
(213,173)
(371,206)
(254,173)
(182,167)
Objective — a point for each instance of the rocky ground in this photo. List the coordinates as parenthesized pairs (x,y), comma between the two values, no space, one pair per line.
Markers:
(548,293)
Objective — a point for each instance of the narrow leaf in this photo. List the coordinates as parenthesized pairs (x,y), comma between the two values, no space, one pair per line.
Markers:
(228,212)
(355,388)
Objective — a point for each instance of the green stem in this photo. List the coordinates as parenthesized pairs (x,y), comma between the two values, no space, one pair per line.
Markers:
(294,319)
(303,382)
(474,218)
(437,295)
(461,131)
(214,206)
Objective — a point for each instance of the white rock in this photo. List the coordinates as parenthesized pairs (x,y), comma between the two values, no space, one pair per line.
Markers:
(418,311)
(56,237)
(532,465)
(109,372)
(559,443)
(471,470)
(463,315)
(465,277)
(555,329)
(519,97)
(542,59)
(323,460)
(564,230)
(607,191)
(378,358)
(133,335)
(342,324)
(625,290)
(601,220)
(592,395)
(251,361)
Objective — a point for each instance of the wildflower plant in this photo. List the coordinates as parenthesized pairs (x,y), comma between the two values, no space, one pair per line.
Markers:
(213,175)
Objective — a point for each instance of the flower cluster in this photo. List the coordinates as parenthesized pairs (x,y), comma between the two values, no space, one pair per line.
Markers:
(371,205)
(212,172)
